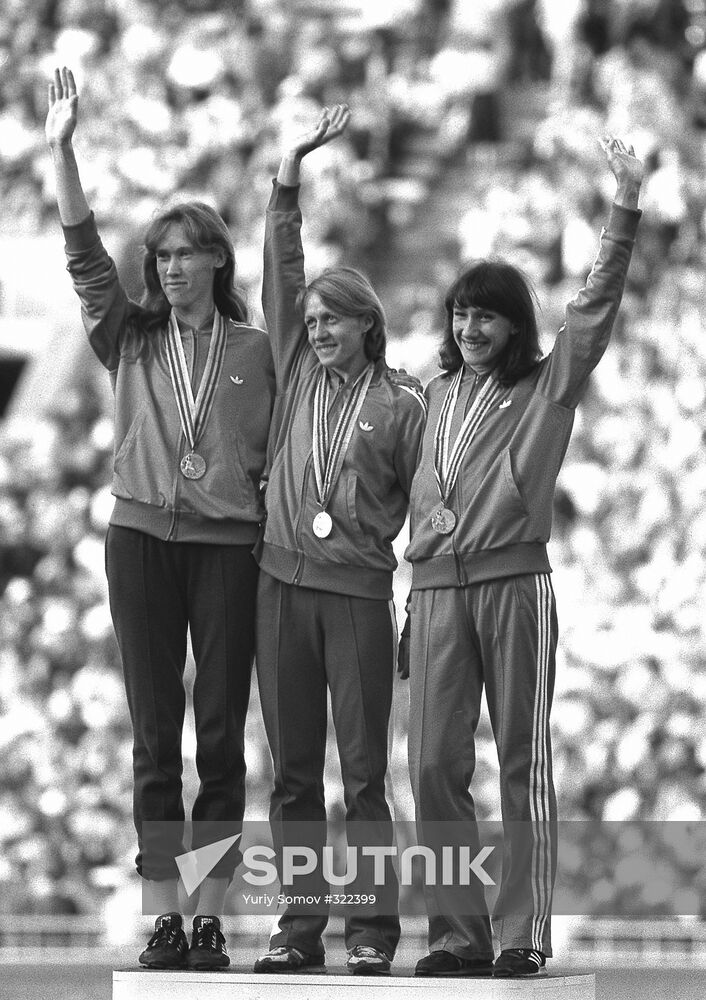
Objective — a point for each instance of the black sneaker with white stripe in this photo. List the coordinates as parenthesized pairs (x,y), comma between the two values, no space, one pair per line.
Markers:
(519,963)
(167,947)
(208,946)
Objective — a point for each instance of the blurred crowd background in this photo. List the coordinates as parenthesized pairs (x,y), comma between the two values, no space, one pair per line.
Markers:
(474,132)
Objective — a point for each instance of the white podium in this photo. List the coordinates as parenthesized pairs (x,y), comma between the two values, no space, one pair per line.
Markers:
(152,984)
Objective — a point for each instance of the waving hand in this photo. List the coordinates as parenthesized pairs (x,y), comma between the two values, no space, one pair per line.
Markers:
(62,116)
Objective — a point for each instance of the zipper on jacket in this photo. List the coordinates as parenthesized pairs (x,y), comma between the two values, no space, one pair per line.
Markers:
(174,526)
(300,521)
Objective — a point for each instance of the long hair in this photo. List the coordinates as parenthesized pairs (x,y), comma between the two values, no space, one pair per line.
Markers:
(349,292)
(205,230)
(502,288)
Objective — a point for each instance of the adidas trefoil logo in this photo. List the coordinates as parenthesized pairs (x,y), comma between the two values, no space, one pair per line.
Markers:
(505,403)
(365,426)
(236,380)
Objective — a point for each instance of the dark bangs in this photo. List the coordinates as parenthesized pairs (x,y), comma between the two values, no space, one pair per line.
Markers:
(501,288)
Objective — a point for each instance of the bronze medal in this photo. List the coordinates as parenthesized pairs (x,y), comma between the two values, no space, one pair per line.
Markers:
(443,520)
(192,466)
(448,459)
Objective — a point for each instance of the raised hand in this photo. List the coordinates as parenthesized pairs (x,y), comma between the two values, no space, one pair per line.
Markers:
(63,108)
(330,125)
(60,125)
(627,169)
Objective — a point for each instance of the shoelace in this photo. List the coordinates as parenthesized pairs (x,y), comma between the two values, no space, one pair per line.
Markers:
(165,934)
(202,938)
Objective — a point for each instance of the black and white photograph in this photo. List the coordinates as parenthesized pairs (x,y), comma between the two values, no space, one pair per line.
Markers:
(353,499)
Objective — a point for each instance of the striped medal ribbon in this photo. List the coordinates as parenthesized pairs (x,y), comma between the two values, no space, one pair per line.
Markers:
(194,413)
(447,460)
(329,455)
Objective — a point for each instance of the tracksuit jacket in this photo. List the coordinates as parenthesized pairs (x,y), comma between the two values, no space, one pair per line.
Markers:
(369,501)
(505,487)
(225,506)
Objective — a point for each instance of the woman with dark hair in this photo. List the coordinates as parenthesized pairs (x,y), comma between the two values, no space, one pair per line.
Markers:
(484,285)
(482,610)
(194,388)
(343,450)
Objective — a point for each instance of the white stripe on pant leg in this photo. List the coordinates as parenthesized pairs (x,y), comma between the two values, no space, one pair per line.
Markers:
(539,773)
(389,783)
(540,790)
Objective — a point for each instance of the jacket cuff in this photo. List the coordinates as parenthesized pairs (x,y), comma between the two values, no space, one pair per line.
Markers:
(82,236)
(284,199)
(623,221)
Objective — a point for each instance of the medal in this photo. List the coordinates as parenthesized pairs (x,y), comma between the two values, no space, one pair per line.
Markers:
(322,524)
(194,413)
(447,459)
(443,520)
(192,465)
(329,454)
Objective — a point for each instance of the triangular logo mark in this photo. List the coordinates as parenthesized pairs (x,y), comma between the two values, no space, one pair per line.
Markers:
(195,866)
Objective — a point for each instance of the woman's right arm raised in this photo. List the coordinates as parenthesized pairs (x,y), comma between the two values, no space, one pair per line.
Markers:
(95,279)
(283,265)
(62,118)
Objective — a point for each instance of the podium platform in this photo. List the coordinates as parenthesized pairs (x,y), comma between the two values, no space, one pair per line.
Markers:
(237,984)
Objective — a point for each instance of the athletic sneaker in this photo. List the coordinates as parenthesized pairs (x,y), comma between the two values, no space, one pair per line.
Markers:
(208,946)
(167,947)
(444,963)
(363,960)
(287,959)
(519,963)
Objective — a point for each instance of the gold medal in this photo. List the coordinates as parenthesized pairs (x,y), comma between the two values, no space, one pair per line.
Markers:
(322,524)
(193,466)
(443,520)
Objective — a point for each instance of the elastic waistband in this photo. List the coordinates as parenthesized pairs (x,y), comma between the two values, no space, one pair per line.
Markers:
(460,569)
(298,569)
(178,526)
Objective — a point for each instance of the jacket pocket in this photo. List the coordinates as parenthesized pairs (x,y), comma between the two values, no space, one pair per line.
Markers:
(370,522)
(496,514)
(514,492)
(138,463)
(226,491)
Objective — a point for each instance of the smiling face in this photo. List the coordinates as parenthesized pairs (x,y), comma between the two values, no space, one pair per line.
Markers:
(338,340)
(186,273)
(481,335)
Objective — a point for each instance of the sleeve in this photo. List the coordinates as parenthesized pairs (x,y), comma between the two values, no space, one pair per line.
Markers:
(283,279)
(413,416)
(104,304)
(584,336)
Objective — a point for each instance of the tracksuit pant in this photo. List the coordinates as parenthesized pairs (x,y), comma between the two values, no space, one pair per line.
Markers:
(310,642)
(158,590)
(502,634)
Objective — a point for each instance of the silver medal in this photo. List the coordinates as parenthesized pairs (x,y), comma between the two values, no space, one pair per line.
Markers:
(322,524)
